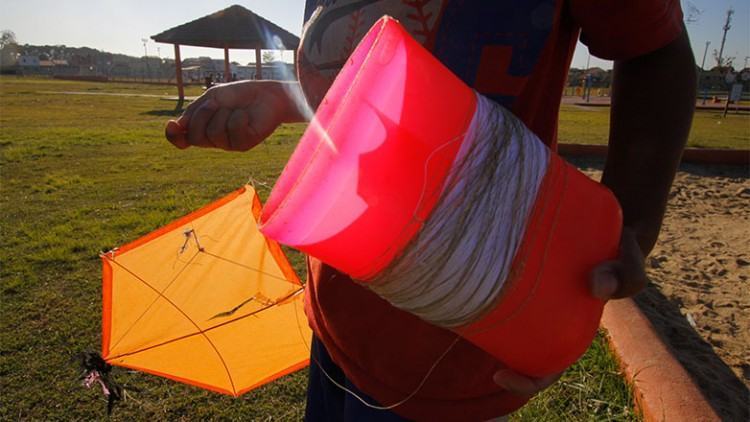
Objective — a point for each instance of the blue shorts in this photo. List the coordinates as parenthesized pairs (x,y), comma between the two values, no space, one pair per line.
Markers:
(327,402)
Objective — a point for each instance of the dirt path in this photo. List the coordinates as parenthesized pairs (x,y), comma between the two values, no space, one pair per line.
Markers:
(699,299)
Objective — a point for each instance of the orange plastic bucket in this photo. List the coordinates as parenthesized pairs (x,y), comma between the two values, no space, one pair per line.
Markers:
(374,157)
(371,167)
(546,317)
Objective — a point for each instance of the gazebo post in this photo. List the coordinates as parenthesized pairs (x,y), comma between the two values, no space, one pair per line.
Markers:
(258,65)
(227,71)
(178,71)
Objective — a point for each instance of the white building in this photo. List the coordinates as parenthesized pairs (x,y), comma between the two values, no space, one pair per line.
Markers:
(277,70)
(28,61)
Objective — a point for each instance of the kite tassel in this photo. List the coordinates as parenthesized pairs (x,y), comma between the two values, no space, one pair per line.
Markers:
(97,371)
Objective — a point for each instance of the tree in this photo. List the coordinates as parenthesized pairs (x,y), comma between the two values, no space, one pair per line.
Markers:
(268,56)
(8,49)
(692,13)
(723,62)
(7,37)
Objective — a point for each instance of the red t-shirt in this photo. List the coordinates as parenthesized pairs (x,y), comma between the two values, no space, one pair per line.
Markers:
(516,53)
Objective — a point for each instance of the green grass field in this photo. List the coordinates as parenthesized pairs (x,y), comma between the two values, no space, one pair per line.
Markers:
(84,173)
(590,125)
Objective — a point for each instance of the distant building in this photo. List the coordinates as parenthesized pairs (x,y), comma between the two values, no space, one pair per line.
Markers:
(277,70)
(196,69)
(192,74)
(715,79)
(28,61)
(600,78)
(744,77)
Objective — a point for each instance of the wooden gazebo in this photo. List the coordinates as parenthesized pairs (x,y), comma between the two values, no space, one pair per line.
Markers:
(233,27)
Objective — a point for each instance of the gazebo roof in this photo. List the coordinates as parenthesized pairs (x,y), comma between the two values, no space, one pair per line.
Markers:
(233,27)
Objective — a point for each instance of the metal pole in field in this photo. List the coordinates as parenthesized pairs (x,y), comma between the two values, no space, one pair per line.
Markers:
(705,89)
(145,57)
(726,107)
(726,28)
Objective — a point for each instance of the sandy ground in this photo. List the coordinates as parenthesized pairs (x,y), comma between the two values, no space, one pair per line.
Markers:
(699,297)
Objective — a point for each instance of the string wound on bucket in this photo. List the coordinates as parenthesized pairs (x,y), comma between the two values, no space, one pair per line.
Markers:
(453,270)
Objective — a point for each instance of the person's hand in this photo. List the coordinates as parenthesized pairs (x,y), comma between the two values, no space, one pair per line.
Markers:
(623,277)
(521,385)
(615,279)
(234,116)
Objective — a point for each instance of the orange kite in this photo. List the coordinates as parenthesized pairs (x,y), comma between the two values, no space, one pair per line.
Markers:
(207,300)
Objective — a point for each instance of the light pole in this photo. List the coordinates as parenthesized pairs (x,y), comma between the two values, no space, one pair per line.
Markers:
(727,26)
(145,55)
(705,90)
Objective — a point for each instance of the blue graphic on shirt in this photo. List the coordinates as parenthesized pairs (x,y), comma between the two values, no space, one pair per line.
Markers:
(467,26)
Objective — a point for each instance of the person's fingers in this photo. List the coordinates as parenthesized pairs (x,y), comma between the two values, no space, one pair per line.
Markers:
(184,119)
(196,134)
(604,280)
(217,129)
(176,134)
(239,134)
(521,384)
(632,269)
(234,116)
(624,277)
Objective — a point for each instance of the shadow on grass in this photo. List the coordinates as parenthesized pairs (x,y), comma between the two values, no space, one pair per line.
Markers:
(724,391)
(163,113)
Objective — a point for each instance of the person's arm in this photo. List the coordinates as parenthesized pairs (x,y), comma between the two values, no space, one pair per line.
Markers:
(236,116)
(653,99)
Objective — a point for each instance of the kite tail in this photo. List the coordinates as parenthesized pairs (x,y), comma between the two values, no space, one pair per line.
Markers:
(97,371)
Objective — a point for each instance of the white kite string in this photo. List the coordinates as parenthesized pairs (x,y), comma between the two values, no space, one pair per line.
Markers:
(454,269)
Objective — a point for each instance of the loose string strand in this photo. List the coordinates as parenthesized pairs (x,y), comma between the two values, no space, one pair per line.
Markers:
(361,399)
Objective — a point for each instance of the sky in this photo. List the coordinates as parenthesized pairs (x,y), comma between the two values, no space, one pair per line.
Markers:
(119,26)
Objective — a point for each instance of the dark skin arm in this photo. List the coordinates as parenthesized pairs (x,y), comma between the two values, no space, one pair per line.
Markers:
(653,99)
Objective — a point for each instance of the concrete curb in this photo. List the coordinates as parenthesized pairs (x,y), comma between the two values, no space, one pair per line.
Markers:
(740,157)
(664,391)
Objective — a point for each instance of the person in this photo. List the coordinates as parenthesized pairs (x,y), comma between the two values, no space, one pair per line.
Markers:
(517,54)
